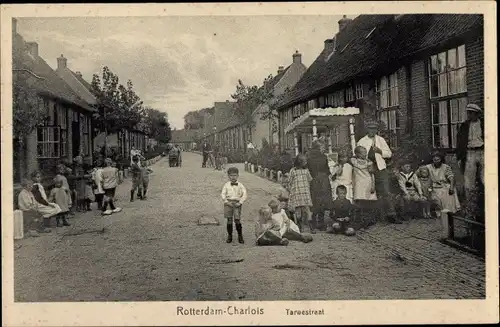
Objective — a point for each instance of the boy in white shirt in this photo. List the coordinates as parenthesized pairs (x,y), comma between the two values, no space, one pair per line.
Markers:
(234,195)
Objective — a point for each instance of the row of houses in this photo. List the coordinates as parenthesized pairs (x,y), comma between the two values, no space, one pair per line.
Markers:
(66,97)
(223,126)
(415,73)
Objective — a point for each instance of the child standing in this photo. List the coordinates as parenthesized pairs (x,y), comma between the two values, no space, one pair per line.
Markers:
(234,195)
(60,196)
(89,193)
(96,178)
(364,187)
(426,184)
(61,170)
(342,213)
(342,175)
(109,183)
(410,189)
(136,170)
(300,200)
(145,171)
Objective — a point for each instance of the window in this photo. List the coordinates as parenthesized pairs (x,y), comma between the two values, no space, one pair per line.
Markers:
(448,94)
(338,100)
(359,90)
(48,142)
(447,73)
(349,94)
(322,102)
(62,121)
(388,107)
(311,104)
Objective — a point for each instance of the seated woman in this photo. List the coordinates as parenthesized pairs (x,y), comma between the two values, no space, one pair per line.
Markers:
(288,229)
(443,184)
(32,198)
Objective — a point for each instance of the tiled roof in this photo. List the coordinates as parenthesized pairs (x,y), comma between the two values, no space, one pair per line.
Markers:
(371,41)
(49,82)
(82,80)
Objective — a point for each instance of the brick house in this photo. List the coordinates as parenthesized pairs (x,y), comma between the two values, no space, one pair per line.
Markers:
(66,132)
(416,73)
(285,79)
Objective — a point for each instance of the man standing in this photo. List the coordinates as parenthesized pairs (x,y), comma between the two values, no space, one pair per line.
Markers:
(205,150)
(470,151)
(378,151)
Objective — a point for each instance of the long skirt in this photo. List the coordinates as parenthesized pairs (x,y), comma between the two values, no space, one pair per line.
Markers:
(321,193)
(48,211)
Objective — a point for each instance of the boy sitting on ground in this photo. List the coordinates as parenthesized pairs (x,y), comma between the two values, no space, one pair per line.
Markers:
(342,214)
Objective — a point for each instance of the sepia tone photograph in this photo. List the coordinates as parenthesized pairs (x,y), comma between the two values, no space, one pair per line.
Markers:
(234,158)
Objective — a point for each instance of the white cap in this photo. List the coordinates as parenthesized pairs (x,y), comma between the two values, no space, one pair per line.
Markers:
(473,107)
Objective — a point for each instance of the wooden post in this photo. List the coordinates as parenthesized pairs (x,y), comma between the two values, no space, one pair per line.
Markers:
(296,143)
(329,134)
(351,131)
(315,130)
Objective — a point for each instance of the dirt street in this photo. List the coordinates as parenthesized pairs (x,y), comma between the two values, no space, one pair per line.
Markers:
(155,250)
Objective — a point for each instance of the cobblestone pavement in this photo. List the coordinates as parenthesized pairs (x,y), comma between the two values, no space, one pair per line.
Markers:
(155,250)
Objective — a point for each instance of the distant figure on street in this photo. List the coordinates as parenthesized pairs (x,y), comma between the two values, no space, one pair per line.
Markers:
(136,170)
(234,195)
(135,152)
(470,152)
(109,183)
(206,148)
(145,171)
(59,195)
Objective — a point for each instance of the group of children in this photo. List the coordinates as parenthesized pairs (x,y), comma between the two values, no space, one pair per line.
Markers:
(273,226)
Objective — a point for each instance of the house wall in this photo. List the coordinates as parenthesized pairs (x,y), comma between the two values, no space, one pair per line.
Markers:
(262,128)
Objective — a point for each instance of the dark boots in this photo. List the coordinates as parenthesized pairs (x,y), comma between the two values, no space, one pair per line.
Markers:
(229,228)
(312,226)
(62,221)
(240,233)
(230,233)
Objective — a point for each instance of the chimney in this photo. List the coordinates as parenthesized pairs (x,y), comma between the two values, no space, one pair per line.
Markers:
(330,45)
(281,69)
(62,62)
(297,57)
(344,22)
(14,26)
(32,48)
(79,74)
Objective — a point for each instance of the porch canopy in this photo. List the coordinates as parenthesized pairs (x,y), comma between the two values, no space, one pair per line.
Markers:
(323,120)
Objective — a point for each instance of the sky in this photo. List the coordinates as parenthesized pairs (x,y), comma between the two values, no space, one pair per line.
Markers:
(180,63)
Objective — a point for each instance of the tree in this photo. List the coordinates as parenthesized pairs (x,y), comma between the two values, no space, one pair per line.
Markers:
(28,111)
(116,100)
(159,127)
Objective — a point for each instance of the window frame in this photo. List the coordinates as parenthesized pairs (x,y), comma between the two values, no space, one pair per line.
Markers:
(349,94)
(56,143)
(391,108)
(460,95)
(359,91)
